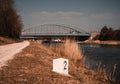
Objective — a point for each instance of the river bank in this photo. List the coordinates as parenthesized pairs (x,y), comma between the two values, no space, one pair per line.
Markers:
(111,42)
(34,66)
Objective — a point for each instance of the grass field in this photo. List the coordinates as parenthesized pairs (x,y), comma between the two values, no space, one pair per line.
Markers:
(34,66)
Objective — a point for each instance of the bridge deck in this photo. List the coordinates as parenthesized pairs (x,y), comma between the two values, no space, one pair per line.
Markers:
(80,37)
(55,35)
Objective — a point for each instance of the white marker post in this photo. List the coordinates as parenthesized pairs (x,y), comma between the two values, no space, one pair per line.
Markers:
(60,65)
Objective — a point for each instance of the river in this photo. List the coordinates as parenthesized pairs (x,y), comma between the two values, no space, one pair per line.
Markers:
(106,56)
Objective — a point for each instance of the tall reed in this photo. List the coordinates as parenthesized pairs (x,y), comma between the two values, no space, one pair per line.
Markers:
(72,49)
(69,49)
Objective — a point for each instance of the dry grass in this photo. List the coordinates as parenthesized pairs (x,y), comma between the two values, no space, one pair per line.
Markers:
(34,66)
(6,40)
(110,42)
(72,49)
(69,49)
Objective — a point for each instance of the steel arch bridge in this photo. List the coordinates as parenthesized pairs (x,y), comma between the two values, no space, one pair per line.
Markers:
(55,31)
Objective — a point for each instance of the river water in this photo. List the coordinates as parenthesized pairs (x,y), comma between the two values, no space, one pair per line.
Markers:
(106,56)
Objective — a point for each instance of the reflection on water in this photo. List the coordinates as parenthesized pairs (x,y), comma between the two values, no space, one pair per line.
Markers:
(107,55)
(94,46)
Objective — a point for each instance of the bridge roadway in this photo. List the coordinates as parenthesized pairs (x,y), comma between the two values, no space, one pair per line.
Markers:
(79,37)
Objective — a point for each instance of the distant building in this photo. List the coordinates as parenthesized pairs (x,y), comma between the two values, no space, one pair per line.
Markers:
(94,34)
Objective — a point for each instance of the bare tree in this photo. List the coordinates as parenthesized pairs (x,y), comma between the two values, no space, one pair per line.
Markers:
(108,34)
(10,21)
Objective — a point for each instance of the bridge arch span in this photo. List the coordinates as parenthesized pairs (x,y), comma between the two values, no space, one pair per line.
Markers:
(54,30)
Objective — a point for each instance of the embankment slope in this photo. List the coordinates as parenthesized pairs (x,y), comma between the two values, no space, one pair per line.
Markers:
(34,66)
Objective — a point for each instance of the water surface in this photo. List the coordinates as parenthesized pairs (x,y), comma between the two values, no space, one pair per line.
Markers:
(107,56)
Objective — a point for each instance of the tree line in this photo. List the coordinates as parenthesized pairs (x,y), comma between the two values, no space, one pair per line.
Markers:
(10,21)
(108,34)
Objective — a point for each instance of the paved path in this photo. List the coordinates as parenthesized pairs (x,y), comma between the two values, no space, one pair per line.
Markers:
(8,51)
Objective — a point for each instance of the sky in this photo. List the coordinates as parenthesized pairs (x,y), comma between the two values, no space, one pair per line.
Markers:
(90,15)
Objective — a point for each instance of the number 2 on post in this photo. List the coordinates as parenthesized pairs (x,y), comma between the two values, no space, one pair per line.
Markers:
(65,65)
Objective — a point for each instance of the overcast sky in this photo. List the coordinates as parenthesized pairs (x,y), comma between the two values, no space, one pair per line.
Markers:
(89,15)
